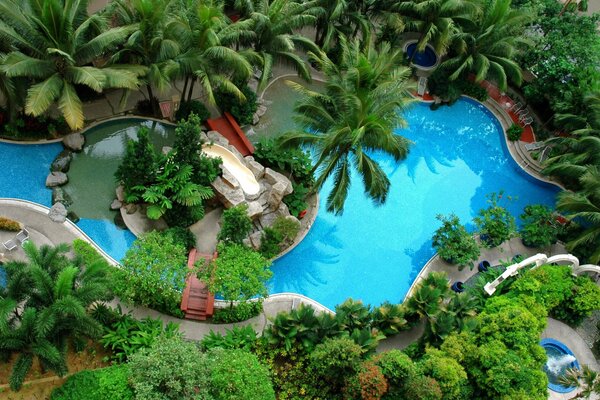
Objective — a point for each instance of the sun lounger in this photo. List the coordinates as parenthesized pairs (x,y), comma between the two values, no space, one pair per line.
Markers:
(516,107)
(527,120)
(524,113)
(422,86)
(534,146)
(22,236)
(10,244)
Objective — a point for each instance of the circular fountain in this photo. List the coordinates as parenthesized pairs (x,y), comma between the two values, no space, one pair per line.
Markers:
(560,359)
(425,60)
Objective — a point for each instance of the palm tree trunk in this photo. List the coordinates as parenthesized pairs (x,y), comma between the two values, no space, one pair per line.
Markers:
(185,84)
(153,100)
(191,90)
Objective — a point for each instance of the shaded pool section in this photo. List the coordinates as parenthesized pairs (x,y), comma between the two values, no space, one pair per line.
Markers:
(24,171)
(374,253)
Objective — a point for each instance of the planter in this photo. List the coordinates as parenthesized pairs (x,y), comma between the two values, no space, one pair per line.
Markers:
(483,266)
(458,287)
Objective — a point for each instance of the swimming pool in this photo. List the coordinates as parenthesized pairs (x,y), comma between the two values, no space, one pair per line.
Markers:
(374,253)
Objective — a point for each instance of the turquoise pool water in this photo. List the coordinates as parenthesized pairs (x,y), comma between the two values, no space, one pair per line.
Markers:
(374,253)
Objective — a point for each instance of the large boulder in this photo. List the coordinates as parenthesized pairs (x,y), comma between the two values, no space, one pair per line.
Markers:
(229,179)
(62,161)
(254,240)
(216,137)
(73,217)
(257,168)
(56,179)
(278,190)
(274,177)
(255,209)
(116,205)
(59,196)
(74,141)
(228,196)
(58,212)
(261,110)
(120,192)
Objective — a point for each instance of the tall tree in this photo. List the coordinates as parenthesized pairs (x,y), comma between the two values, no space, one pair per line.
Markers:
(487,46)
(356,115)
(274,38)
(56,43)
(44,307)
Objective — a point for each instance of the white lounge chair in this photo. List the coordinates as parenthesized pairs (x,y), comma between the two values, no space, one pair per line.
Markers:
(527,120)
(524,113)
(22,236)
(516,107)
(534,146)
(11,244)
(422,86)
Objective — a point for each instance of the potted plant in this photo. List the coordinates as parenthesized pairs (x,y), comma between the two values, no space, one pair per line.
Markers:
(539,226)
(453,243)
(495,223)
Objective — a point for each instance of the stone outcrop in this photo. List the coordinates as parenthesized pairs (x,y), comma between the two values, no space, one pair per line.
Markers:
(56,179)
(62,162)
(116,205)
(74,141)
(228,195)
(58,212)
(59,196)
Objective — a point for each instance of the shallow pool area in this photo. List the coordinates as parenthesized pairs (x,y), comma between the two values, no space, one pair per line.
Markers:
(374,253)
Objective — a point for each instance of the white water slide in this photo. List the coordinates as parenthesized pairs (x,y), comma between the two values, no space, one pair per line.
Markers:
(233,164)
(540,259)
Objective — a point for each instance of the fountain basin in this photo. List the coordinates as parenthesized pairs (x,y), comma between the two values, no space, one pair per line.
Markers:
(560,358)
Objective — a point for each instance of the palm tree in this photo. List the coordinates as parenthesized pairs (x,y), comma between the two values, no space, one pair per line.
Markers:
(274,40)
(206,33)
(150,42)
(585,207)
(55,44)
(356,115)
(339,18)
(487,47)
(585,379)
(44,306)
(434,20)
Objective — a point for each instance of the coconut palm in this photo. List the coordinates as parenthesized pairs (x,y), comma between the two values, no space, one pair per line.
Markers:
(205,33)
(150,43)
(356,115)
(487,46)
(434,20)
(55,44)
(44,306)
(585,207)
(274,39)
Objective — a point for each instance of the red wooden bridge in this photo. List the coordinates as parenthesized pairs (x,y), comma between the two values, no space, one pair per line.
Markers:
(197,302)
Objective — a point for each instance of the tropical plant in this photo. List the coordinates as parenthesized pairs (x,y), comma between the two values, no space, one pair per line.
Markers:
(514,132)
(151,41)
(368,383)
(585,206)
(238,337)
(238,274)
(584,378)
(235,225)
(100,384)
(540,228)
(270,241)
(434,20)
(194,106)
(398,369)
(241,109)
(296,163)
(44,307)
(357,114)
(453,243)
(449,374)
(54,42)
(495,224)
(335,360)
(238,313)
(153,273)
(340,18)
(273,36)
(237,374)
(488,45)
(287,228)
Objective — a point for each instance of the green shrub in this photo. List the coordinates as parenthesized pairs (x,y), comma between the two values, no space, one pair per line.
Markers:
(495,223)
(139,165)
(335,360)
(296,201)
(540,228)
(194,106)
(153,273)
(585,299)
(514,132)
(449,374)
(239,337)
(453,243)
(171,369)
(242,111)
(238,274)
(88,253)
(182,236)
(287,228)
(269,243)
(549,285)
(237,374)
(422,387)
(110,383)
(235,224)
(127,335)
(389,319)
(7,224)
(294,161)
(397,367)
(473,89)
(239,312)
